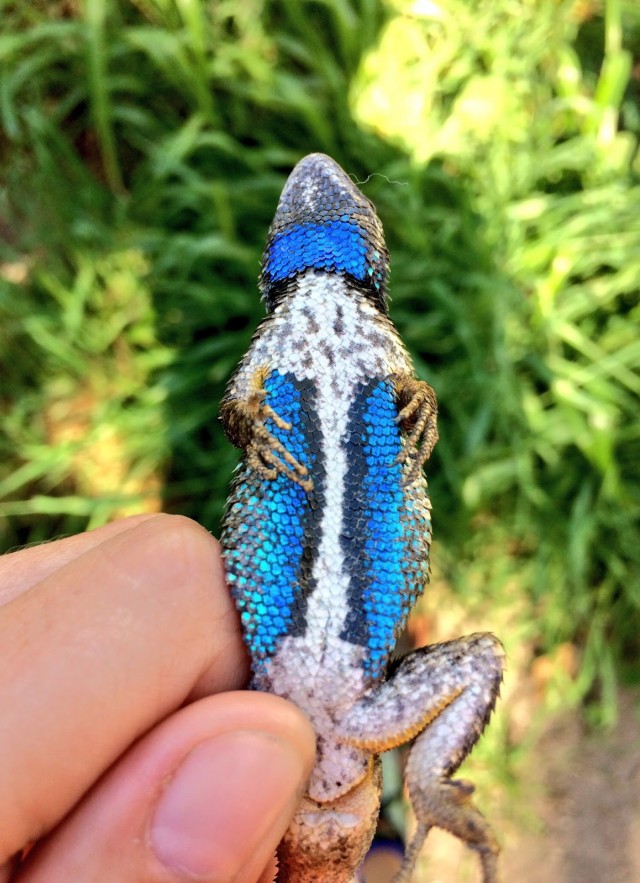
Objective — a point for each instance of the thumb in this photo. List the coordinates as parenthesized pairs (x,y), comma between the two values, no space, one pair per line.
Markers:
(205,796)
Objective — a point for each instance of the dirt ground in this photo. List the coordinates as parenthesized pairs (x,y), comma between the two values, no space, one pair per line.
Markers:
(578,822)
(586,798)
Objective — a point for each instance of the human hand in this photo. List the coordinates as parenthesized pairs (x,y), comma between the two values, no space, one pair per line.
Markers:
(123,755)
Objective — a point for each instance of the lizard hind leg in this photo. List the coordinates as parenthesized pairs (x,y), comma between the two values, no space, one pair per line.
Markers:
(436,799)
(448,805)
(441,697)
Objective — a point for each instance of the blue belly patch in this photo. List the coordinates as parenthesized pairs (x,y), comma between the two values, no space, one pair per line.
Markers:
(271,527)
(386,527)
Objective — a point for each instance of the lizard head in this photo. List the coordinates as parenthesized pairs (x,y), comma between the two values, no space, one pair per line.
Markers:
(324,222)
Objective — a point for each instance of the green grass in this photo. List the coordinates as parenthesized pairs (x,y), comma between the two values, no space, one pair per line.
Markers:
(144,147)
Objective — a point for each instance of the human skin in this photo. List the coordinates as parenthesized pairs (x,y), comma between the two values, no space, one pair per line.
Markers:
(126,752)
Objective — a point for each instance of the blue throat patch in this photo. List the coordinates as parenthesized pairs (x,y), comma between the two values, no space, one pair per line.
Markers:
(337,246)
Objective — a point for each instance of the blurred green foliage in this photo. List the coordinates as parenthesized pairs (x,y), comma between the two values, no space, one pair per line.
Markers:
(144,147)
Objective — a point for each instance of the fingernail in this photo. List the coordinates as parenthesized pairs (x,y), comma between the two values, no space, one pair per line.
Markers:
(223,799)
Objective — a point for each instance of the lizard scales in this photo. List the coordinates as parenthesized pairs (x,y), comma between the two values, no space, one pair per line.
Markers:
(326,537)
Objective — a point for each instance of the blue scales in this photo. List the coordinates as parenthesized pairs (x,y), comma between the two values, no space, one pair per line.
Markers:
(385,536)
(336,245)
(266,566)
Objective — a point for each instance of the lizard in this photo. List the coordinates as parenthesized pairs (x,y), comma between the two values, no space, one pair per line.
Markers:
(326,537)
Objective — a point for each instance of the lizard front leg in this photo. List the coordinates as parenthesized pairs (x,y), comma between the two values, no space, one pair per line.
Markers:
(441,696)
(418,417)
(250,423)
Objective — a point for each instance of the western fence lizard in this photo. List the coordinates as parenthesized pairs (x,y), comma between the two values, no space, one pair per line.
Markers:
(326,537)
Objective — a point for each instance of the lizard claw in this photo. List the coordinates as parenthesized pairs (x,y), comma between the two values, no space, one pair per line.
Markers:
(269,455)
(418,418)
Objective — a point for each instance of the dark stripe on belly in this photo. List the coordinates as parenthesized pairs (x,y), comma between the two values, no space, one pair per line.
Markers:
(386,527)
(272,526)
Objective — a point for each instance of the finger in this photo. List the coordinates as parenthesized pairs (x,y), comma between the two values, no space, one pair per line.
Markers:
(7,870)
(22,569)
(206,796)
(97,654)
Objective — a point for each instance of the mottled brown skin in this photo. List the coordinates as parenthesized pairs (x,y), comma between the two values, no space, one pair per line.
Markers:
(303,855)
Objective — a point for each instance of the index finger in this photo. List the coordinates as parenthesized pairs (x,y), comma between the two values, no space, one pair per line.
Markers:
(103,649)
(23,568)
